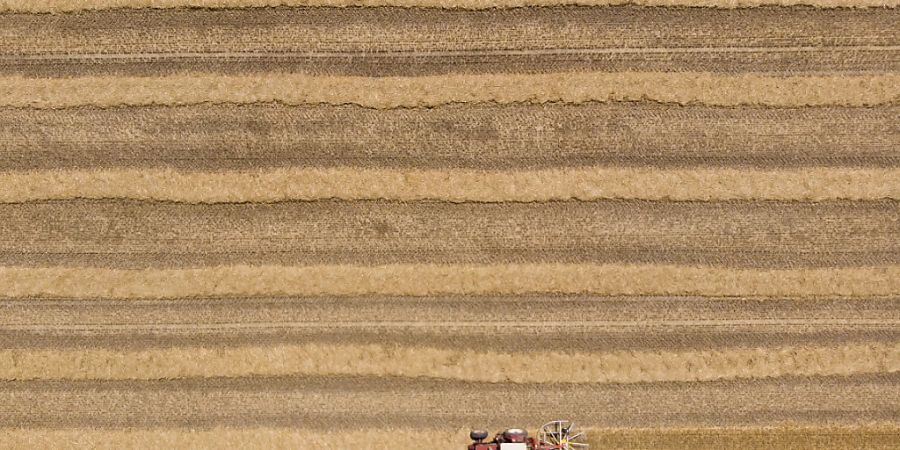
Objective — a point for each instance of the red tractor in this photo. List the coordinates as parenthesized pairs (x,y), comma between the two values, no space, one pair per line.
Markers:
(556,435)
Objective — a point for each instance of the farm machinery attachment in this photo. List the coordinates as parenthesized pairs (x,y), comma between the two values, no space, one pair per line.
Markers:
(555,435)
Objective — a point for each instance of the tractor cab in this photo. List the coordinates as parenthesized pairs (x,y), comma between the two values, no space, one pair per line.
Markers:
(510,439)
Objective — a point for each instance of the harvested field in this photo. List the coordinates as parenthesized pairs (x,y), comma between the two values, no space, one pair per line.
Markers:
(503,324)
(334,402)
(382,223)
(830,437)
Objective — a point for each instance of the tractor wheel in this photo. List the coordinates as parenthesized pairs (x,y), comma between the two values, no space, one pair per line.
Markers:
(478,435)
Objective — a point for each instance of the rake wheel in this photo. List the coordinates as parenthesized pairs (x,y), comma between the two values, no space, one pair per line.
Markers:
(561,434)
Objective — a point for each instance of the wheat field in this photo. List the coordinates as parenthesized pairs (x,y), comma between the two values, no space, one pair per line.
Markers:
(381,223)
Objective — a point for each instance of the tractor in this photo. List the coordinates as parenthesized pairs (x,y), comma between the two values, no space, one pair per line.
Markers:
(555,435)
